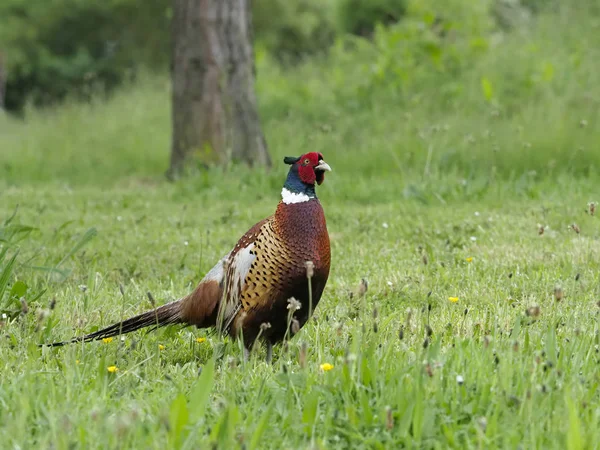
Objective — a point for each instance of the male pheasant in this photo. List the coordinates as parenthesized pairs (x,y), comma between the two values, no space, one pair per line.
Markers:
(247,293)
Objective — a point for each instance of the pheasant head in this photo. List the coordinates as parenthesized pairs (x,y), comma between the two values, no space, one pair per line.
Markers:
(305,171)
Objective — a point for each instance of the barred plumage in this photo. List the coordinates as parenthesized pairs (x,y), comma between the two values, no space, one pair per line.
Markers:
(251,286)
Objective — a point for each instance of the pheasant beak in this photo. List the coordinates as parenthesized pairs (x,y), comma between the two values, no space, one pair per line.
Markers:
(320,171)
(323,166)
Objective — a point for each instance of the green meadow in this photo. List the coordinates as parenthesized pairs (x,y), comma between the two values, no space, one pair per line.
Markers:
(464,190)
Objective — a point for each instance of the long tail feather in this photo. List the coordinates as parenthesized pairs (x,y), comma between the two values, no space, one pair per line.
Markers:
(164,315)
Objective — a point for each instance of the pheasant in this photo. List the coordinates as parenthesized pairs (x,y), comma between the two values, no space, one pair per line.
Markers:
(252,292)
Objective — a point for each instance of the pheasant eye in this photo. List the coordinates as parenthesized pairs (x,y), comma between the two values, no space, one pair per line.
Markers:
(306,161)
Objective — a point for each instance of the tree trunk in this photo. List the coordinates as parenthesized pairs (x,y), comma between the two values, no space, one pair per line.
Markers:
(214,113)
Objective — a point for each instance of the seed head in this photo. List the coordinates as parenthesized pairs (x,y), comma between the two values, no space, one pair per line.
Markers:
(310,269)
(295,326)
(533,311)
(293,304)
(362,287)
(265,326)
(389,418)
(302,355)
(558,293)
(592,208)
(575,228)
(151,298)
(428,370)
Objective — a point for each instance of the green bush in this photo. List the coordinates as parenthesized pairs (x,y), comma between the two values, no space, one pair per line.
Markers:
(360,17)
(290,30)
(72,46)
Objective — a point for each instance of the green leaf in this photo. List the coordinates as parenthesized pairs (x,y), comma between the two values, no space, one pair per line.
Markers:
(201,392)
(13,215)
(87,237)
(574,438)
(488,90)
(178,418)
(261,427)
(6,272)
(548,72)
(551,345)
(222,433)
(309,413)
(18,289)
(516,328)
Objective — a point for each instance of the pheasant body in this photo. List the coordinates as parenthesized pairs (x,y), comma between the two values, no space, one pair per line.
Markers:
(246,294)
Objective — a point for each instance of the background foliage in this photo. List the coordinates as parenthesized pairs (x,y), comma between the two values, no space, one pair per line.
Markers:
(69,47)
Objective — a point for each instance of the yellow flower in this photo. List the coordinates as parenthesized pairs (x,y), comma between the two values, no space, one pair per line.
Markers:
(469,259)
(453,299)
(112,369)
(161,347)
(107,340)
(76,361)
(325,367)
(200,340)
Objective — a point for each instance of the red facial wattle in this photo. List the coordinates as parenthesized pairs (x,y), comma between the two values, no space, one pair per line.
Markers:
(307,168)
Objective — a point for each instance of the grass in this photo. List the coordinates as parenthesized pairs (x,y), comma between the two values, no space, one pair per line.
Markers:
(427,205)
(527,380)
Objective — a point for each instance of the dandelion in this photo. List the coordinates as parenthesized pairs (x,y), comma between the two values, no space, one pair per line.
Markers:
(112,369)
(200,340)
(107,340)
(469,259)
(453,299)
(161,347)
(326,367)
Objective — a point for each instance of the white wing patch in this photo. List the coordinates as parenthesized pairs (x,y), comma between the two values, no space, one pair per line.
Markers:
(237,270)
(216,273)
(241,263)
(290,197)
